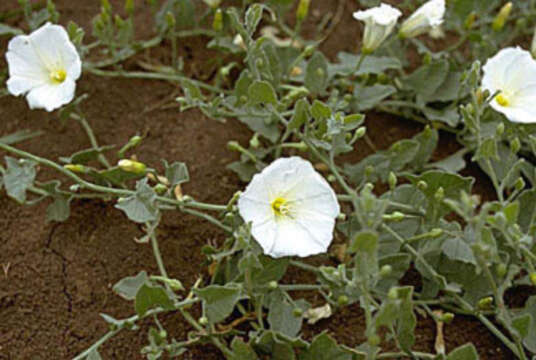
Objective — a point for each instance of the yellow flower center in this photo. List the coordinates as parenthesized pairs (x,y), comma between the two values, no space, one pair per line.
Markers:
(58,76)
(502,99)
(280,206)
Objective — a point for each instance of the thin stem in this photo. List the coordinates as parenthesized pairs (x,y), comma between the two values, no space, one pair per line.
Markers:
(208,218)
(92,139)
(158,255)
(304,266)
(302,287)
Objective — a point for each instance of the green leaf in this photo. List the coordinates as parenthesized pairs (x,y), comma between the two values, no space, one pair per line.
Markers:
(245,171)
(9,30)
(453,163)
(85,156)
(428,78)
(365,241)
(527,217)
(271,270)
(176,173)
(320,111)
(323,347)
(264,125)
(19,176)
(241,89)
(253,17)
(149,296)
(371,65)
(316,73)
(282,319)
(242,351)
(367,97)
(530,339)
(457,249)
(301,114)
(128,287)
(262,92)
(140,207)
(60,208)
(427,144)
(94,355)
(116,175)
(20,136)
(448,115)
(511,212)
(522,324)
(464,352)
(219,301)
(407,320)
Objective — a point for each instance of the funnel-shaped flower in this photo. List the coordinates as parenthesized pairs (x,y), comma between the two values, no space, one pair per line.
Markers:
(424,19)
(511,75)
(291,207)
(379,23)
(44,65)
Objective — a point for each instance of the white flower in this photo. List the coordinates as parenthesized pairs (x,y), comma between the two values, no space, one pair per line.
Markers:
(424,19)
(511,73)
(379,23)
(44,65)
(291,207)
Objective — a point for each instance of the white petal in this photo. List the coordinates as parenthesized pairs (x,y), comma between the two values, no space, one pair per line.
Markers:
(53,46)
(303,236)
(496,68)
(51,96)
(383,15)
(24,64)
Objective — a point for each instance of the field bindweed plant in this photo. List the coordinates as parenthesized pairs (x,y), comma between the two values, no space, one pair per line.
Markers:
(395,210)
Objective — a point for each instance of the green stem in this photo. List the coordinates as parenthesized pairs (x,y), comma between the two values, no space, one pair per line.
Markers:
(158,255)
(92,139)
(304,266)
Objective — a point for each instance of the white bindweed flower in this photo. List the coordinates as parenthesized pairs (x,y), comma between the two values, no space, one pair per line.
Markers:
(291,207)
(44,65)
(379,23)
(424,19)
(511,74)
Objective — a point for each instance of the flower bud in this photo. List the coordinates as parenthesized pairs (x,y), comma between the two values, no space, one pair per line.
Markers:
(502,17)
(374,340)
(485,303)
(341,217)
(519,184)
(470,20)
(213,3)
(309,50)
(422,185)
(425,18)
(272,285)
(76,168)
(446,317)
(303,10)
(254,141)
(396,216)
(132,166)
(170,20)
(515,145)
(532,277)
(386,270)
(297,312)
(217,23)
(369,170)
(106,7)
(360,132)
(439,194)
(379,23)
(203,321)
(392,180)
(160,189)
(500,129)
(501,270)
(392,294)
(162,334)
(435,233)
(343,300)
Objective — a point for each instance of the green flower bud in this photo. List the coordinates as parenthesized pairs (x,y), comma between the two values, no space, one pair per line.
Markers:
(446,317)
(502,17)
(515,145)
(213,3)
(501,269)
(203,321)
(106,7)
(347,97)
(500,129)
(341,217)
(386,270)
(160,189)
(132,166)
(520,184)
(272,285)
(392,180)
(360,132)
(532,277)
(435,233)
(440,194)
(234,146)
(320,72)
(76,168)
(485,303)
(259,63)
(470,20)
(170,20)
(254,141)
(217,23)
(369,170)
(395,216)
(374,340)
(297,312)
(162,334)
(303,10)
(309,50)
(422,185)
(331,178)
(343,300)
(392,294)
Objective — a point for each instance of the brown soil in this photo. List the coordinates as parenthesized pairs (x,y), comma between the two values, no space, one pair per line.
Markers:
(57,278)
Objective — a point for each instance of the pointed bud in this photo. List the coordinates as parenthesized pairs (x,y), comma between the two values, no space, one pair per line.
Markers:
(170,20)
(515,145)
(446,317)
(533,278)
(203,321)
(470,20)
(272,285)
(500,129)
(343,300)
(502,17)
(422,185)
(217,24)
(501,269)
(76,168)
(303,10)
(520,184)
(485,303)
(360,132)
(440,194)
(386,270)
(132,166)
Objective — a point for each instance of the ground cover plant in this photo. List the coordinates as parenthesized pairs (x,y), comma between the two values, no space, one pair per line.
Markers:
(334,240)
